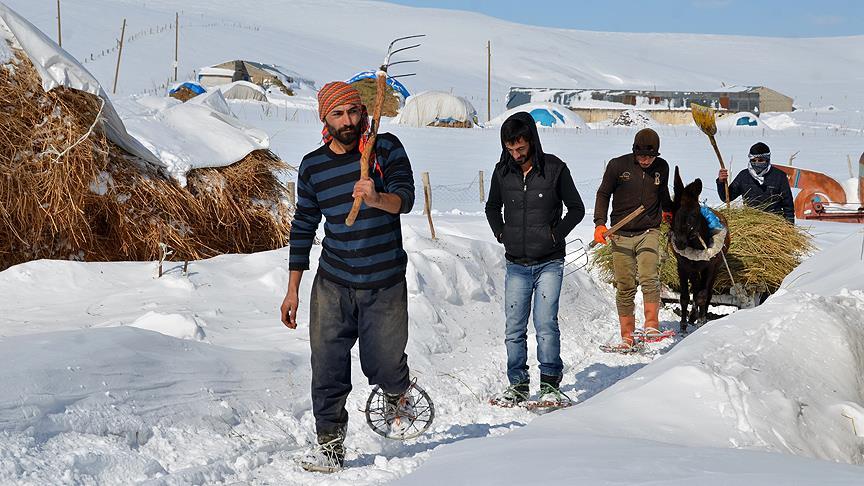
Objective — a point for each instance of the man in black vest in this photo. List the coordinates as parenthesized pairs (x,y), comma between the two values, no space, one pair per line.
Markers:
(531,186)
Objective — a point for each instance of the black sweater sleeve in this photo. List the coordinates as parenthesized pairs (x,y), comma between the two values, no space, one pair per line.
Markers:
(493,207)
(573,201)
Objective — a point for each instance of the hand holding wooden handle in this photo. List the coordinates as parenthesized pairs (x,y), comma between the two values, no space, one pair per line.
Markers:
(368,149)
(620,224)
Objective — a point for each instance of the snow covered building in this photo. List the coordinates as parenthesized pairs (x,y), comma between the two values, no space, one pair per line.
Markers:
(669,107)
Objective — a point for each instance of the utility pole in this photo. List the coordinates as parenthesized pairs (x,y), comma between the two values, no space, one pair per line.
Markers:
(119,53)
(59,32)
(176,42)
(488,80)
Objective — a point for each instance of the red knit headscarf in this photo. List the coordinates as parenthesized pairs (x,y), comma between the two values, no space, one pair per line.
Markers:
(341,93)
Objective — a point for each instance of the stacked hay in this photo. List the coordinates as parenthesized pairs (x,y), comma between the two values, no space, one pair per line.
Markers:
(764,249)
(183,94)
(368,88)
(67,192)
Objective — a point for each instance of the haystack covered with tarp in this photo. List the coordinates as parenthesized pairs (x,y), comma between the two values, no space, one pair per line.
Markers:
(394,97)
(764,249)
(437,109)
(74,184)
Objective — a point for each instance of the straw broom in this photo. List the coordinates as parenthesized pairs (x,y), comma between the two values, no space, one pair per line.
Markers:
(704,118)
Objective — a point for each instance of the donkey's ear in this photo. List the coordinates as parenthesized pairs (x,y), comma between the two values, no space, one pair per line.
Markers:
(697,187)
(679,185)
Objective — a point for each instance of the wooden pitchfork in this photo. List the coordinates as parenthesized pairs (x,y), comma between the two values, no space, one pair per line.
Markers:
(704,118)
(380,89)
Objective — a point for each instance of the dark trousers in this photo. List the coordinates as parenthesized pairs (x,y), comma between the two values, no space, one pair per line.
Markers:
(338,316)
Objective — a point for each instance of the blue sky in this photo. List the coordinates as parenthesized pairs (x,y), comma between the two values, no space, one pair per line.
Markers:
(791,18)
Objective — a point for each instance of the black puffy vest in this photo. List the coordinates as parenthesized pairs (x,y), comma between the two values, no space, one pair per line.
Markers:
(531,209)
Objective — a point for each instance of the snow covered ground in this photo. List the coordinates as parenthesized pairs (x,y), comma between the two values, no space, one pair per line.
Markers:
(112,376)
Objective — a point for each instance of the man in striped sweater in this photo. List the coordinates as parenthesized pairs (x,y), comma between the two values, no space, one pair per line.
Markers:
(359,291)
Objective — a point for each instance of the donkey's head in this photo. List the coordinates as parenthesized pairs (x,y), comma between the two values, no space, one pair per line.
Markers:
(688,225)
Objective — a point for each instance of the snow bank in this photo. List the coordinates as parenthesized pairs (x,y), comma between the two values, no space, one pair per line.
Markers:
(547,115)
(780,121)
(173,325)
(431,107)
(784,377)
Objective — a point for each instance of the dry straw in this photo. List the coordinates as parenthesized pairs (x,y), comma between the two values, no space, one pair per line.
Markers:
(764,249)
(67,193)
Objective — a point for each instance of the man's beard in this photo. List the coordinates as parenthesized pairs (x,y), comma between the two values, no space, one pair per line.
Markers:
(347,135)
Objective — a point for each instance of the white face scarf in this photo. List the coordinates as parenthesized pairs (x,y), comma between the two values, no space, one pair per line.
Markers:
(759,175)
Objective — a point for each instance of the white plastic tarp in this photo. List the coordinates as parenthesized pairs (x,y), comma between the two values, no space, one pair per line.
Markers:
(58,68)
(427,107)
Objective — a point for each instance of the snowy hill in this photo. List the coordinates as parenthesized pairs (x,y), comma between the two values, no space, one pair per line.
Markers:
(113,376)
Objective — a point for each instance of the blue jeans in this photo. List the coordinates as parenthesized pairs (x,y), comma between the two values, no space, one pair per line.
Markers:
(543,282)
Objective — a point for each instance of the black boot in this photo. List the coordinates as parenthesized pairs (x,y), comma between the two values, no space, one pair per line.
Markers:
(550,381)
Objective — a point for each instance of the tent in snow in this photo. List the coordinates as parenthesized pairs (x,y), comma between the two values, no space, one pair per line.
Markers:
(243,90)
(741,120)
(264,75)
(548,115)
(438,109)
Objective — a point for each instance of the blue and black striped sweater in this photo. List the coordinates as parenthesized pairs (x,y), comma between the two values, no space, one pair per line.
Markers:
(369,254)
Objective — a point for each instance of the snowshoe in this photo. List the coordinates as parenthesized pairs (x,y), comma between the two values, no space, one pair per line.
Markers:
(651,335)
(550,398)
(623,348)
(512,396)
(400,417)
(327,457)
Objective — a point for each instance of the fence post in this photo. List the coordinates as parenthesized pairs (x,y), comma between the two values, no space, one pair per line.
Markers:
(292,193)
(427,195)
(119,53)
(482,188)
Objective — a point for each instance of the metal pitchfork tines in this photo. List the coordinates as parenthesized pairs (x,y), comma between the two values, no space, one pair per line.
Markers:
(380,87)
(578,258)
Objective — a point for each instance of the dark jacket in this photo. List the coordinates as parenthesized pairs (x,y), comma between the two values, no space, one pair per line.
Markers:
(633,186)
(774,195)
(532,228)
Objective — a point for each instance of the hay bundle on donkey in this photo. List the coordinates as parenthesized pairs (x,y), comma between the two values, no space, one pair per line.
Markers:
(764,249)
(67,192)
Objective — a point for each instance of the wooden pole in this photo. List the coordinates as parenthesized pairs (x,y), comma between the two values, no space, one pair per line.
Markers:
(292,192)
(482,188)
(59,30)
(119,53)
(427,195)
(488,80)
(176,42)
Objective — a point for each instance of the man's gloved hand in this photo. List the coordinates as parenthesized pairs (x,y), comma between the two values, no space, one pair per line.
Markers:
(598,234)
(667,217)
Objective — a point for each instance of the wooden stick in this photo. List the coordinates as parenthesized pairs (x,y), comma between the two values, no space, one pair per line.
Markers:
(380,88)
(722,166)
(119,53)
(611,231)
(482,187)
(427,195)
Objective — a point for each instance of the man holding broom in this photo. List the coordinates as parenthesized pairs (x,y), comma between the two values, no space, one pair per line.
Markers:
(359,291)
(636,179)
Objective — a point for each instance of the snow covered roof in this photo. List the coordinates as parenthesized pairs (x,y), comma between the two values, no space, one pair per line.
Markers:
(429,107)
(214,71)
